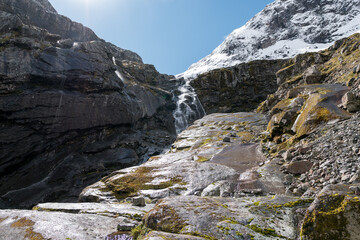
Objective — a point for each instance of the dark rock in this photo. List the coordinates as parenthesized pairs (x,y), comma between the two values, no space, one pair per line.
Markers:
(138,201)
(71,112)
(125,227)
(238,88)
(43,15)
(227,139)
(299,167)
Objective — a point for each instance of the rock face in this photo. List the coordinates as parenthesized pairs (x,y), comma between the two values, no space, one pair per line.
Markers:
(71,112)
(283,30)
(239,88)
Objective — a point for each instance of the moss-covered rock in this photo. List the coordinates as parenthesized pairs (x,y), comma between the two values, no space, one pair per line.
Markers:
(273,217)
(335,214)
(306,108)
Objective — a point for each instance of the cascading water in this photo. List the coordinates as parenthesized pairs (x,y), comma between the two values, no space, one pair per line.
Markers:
(188,106)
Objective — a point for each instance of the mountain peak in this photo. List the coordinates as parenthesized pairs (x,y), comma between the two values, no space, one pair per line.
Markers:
(282,30)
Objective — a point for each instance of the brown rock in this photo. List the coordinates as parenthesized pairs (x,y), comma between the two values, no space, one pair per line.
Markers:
(299,167)
(351,102)
(312,75)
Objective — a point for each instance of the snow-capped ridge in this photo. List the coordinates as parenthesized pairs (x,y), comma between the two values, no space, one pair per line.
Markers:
(283,30)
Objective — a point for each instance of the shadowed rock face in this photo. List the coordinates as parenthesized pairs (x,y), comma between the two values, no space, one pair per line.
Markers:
(238,88)
(71,112)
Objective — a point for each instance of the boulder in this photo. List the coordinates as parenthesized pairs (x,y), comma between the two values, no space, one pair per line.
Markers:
(333,215)
(312,75)
(351,102)
(299,167)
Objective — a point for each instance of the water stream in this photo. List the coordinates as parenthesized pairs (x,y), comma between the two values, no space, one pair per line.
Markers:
(188,107)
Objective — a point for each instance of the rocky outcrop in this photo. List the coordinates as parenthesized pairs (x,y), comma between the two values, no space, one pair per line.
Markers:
(217,156)
(40,13)
(71,112)
(239,88)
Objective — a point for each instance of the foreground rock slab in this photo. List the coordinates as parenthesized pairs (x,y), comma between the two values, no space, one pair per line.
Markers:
(22,224)
(272,217)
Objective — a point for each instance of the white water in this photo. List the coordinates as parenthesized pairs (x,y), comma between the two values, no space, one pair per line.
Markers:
(188,107)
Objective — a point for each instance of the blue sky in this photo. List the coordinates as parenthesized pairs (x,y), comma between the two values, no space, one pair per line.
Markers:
(170,34)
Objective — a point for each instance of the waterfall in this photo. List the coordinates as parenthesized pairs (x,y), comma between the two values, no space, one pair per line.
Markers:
(188,106)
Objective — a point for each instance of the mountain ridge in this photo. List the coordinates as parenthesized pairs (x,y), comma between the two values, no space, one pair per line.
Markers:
(282,30)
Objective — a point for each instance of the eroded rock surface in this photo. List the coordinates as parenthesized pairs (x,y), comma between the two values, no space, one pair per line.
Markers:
(196,165)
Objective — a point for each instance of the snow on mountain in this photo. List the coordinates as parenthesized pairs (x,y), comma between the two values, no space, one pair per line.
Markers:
(284,29)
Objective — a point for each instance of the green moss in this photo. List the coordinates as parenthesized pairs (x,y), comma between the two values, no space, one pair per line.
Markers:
(28,225)
(132,183)
(294,79)
(265,232)
(225,206)
(332,212)
(299,202)
(163,185)
(164,218)
(245,136)
(197,234)
(203,159)
(139,232)
(231,221)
